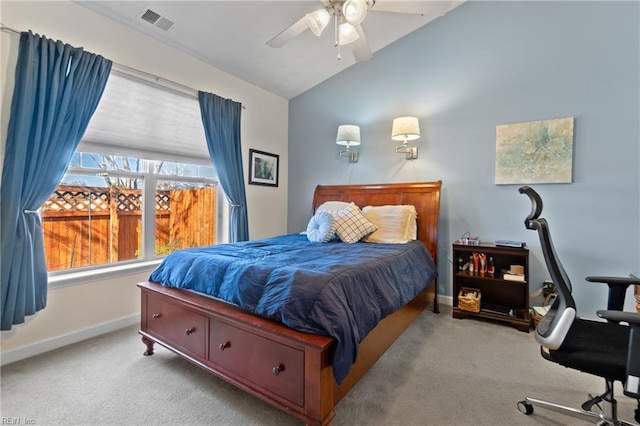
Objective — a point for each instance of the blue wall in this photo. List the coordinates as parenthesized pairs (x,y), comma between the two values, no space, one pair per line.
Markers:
(481,65)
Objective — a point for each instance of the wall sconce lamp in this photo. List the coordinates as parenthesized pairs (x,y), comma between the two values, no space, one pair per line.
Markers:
(406,129)
(348,135)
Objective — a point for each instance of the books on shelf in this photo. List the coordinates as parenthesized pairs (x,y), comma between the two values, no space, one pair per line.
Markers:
(498,309)
(516,273)
(509,243)
(513,277)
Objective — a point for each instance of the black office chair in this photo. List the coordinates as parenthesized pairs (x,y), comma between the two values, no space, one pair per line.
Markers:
(610,349)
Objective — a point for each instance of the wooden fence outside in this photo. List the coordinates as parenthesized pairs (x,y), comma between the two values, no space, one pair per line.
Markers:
(86,226)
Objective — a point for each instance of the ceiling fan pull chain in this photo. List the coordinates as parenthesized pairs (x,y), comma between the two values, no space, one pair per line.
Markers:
(337,35)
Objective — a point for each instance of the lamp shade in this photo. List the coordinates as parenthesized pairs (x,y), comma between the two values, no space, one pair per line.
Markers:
(354,11)
(318,21)
(405,128)
(348,134)
(347,34)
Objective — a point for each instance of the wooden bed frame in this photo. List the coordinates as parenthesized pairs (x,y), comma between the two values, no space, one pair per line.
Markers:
(288,369)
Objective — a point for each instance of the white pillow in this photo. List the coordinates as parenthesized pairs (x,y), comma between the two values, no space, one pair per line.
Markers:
(321,227)
(396,224)
(332,206)
(351,225)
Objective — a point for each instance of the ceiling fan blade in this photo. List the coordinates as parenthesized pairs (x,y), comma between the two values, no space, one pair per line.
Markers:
(289,34)
(360,48)
(429,8)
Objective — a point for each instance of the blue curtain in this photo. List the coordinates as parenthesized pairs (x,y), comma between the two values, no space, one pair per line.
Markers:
(221,120)
(57,89)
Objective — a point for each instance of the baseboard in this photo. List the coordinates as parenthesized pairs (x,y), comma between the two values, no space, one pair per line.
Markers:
(47,345)
(445,300)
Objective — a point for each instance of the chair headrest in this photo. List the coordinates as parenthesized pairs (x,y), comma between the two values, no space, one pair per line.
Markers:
(536,206)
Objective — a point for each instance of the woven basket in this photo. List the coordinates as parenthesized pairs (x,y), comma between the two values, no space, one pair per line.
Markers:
(469,299)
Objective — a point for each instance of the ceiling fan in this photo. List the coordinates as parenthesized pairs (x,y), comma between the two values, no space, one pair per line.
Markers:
(348,16)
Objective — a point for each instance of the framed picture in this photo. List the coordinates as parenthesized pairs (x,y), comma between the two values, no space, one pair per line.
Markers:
(263,168)
(535,152)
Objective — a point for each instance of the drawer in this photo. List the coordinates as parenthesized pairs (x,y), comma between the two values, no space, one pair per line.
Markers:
(271,365)
(184,328)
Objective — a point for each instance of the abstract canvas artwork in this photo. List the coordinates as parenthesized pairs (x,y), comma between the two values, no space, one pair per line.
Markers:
(534,152)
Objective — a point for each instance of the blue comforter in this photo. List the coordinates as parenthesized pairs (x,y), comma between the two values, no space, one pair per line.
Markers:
(335,289)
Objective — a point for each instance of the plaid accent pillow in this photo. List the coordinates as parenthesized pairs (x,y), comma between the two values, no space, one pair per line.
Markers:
(351,225)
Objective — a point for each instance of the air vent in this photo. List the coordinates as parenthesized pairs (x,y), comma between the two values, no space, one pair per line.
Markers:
(150,16)
(164,24)
(156,19)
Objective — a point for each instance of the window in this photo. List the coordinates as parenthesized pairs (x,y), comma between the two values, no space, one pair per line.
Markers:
(140,186)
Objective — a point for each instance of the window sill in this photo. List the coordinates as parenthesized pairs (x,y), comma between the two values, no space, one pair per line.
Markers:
(98,274)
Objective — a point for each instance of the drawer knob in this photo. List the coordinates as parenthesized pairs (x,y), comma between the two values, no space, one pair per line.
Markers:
(277,369)
(224,345)
(156,316)
(188,331)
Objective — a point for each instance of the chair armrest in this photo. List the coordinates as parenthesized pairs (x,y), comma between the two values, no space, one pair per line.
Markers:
(623,281)
(617,289)
(617,316)
(632,384)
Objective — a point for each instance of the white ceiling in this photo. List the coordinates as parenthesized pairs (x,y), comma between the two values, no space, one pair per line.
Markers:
(232,36)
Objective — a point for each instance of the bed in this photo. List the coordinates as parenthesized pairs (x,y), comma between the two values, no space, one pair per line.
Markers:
(290,369)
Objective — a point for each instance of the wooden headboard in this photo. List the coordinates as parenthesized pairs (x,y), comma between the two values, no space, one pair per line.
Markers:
(425,196)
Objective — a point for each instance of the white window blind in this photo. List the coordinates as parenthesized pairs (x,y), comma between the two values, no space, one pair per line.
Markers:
(138,117)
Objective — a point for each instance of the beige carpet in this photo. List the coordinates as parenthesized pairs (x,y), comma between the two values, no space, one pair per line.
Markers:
(442,371)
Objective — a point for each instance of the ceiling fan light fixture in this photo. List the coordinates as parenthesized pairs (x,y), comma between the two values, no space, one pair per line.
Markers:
(348,34)
(355,11)
(318,21)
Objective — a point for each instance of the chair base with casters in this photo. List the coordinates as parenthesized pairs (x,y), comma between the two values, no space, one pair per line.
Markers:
(610,350)
(606,404)
(578,353)
(600,409)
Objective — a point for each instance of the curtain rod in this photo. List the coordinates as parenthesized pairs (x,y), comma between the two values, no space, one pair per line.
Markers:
(132,72)
(5,28)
